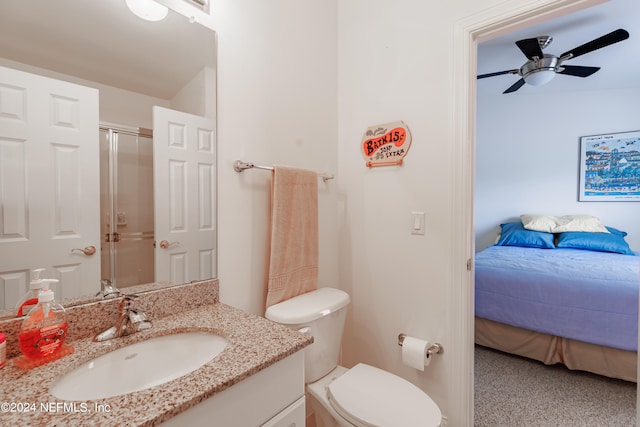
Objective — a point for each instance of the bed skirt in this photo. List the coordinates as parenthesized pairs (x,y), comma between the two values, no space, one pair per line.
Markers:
(549,349)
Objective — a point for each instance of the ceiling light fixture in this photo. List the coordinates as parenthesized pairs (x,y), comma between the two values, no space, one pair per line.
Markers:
(148,10)
(540,71)
(540,77)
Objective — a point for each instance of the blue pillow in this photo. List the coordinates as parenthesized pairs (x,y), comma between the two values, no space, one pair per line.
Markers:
(514,234)
(600,242)
(616,231)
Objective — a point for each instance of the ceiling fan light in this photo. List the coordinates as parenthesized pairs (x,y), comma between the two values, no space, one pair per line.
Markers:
(148,10)
(540,77)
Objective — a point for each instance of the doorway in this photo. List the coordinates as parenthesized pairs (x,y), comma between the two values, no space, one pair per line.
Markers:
(469,32)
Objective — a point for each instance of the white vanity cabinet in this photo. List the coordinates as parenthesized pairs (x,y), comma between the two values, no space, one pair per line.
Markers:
(273,397)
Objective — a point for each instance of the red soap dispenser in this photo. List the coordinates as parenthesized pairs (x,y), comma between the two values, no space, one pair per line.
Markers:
(3,350)
(41,338)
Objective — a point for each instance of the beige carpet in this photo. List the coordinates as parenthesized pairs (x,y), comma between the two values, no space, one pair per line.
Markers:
(512,391)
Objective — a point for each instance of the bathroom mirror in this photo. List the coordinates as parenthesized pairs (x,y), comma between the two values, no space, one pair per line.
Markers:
(135,65)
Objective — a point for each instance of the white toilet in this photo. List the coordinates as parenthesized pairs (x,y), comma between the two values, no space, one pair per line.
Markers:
(362,396)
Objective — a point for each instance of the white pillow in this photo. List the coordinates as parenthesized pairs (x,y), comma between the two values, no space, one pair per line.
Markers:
(544,223)
(561,224)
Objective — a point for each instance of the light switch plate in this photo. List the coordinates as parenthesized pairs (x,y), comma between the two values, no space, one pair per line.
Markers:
(417,223)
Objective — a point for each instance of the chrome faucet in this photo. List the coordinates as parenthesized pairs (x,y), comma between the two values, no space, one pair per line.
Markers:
(108,290)
(129,321)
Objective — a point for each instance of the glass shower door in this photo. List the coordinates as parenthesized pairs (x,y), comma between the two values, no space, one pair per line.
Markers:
(126,178)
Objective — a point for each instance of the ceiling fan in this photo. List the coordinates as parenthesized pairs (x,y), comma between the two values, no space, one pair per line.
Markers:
(541,68)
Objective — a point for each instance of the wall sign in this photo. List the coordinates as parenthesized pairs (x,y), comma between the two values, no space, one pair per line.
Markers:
(385,145)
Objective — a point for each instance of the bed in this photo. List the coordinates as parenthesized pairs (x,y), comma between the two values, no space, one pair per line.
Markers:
(560,302)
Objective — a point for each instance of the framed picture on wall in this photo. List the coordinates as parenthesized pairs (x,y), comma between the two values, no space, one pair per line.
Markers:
(610,167)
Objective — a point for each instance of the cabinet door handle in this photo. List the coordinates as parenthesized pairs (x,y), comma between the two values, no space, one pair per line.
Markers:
(88,251)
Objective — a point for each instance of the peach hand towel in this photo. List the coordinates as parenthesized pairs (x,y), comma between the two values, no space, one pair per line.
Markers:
(293,258)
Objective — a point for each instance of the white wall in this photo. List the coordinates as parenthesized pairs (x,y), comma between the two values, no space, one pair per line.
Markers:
(527,156)
(395,64)
(277,103)
(190,98)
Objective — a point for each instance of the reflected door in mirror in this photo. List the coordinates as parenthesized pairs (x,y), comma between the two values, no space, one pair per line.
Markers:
(49,185)
(184,175)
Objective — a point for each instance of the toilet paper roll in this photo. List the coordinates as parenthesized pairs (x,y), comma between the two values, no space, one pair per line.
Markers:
(414,353)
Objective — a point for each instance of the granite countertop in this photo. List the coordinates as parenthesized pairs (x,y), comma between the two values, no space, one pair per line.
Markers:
(254,343)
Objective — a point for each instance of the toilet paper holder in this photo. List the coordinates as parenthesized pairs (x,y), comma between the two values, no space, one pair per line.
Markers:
(434,348)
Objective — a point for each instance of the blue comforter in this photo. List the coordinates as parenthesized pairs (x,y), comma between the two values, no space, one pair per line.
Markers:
(584,295)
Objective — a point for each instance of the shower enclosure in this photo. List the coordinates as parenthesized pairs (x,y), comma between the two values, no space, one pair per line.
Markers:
(126,205)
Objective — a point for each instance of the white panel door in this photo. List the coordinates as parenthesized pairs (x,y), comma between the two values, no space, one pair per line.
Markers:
(49,184)
(185,194)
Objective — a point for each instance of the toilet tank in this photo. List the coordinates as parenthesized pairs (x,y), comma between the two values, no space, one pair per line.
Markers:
(321,313)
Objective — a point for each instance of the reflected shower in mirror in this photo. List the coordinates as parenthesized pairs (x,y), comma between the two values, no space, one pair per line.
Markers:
(126,206)
(103,75)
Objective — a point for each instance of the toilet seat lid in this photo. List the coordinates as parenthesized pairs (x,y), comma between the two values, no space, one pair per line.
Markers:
(371,397)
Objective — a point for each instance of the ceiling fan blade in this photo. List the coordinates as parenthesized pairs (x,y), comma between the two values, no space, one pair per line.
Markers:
(606,40)
(499,73)
(578,71)
(514,87)
(530,48)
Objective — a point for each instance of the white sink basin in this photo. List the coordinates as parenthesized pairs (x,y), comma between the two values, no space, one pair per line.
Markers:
(139,366)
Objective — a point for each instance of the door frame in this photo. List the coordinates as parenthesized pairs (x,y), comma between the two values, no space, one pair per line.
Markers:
(468,32)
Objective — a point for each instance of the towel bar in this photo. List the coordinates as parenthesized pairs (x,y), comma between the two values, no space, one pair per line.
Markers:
(239,166)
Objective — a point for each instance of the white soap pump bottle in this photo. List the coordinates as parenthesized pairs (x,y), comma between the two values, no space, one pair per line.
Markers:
(30,299)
